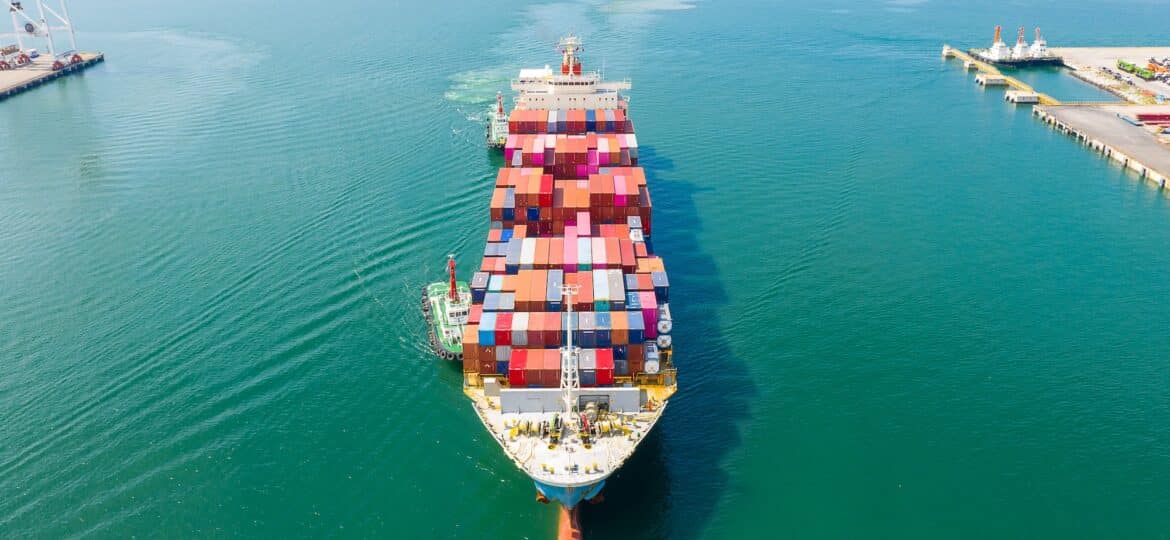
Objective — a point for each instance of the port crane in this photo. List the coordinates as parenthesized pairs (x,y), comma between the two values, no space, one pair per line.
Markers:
(47,20)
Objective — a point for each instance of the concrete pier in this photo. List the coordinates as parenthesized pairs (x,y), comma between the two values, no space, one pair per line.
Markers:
(988,79)
(989,75)
(40,71)
(1099,127)
(1019,96)
(1114,129)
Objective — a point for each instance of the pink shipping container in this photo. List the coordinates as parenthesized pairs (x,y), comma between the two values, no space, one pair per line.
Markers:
(649,313)
(619,191)
(584,227)
(538,152)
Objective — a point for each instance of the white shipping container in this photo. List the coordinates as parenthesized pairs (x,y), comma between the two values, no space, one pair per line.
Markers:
(520,329)
(584,251)
(528,253)
(600,286)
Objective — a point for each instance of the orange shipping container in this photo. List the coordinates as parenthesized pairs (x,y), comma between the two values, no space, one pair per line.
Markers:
(542,253)
(621,327)
(521,280)
(584,298)
(508,283)
(556,252)
(613,254)
(539,288)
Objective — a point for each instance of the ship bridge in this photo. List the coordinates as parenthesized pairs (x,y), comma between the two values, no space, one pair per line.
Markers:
(571,88)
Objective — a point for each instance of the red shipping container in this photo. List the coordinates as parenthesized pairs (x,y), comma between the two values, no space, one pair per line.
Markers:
(545,190)
(640,250)
(604,367)
(554,334)
(636,355)
(487,367)
(626,248)
(552,368)
(533,371)
(504,328)
(536,329)
(476,313)
(517,367)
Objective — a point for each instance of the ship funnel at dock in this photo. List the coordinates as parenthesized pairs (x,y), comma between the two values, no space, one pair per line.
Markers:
(997,33)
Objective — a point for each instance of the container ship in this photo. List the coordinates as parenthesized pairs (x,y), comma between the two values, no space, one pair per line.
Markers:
(1021,55)
(566,348)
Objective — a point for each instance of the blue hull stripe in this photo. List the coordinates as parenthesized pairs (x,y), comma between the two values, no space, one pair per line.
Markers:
(570,496)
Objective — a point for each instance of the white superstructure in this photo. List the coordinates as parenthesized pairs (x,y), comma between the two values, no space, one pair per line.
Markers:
(999,50)
(1039,48)
(1020,54)
(569,88)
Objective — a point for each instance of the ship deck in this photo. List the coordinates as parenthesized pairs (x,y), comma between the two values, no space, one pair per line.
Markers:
(571,462)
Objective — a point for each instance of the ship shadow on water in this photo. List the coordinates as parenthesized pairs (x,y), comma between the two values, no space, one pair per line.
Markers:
(671,485)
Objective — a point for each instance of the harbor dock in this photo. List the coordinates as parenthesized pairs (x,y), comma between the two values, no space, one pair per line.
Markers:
(1134,133)
(990,75)
(1098,66)
(1105,128)
(40,70)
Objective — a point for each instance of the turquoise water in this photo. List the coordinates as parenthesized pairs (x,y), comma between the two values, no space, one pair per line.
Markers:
(911,310)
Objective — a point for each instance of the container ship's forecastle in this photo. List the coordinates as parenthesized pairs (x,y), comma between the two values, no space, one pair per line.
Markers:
(567,354)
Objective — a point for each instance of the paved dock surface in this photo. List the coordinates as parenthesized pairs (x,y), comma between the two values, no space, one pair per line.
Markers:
(1106,57)
(41,69)
(1101,123)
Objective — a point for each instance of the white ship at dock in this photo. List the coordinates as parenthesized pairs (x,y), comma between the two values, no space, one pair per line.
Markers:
(1022,54)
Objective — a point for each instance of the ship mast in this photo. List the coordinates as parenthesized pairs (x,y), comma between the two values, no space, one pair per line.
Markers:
(452,293)
(570,45)
(570,381)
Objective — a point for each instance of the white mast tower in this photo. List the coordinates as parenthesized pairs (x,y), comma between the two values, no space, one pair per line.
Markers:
(42,26)
(570,381)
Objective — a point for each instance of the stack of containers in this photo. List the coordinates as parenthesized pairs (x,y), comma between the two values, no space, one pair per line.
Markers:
(540,204)
(571,156)
(568,121)
(569,208)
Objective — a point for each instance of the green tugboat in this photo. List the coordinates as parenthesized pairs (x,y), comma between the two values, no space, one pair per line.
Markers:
(447,306)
